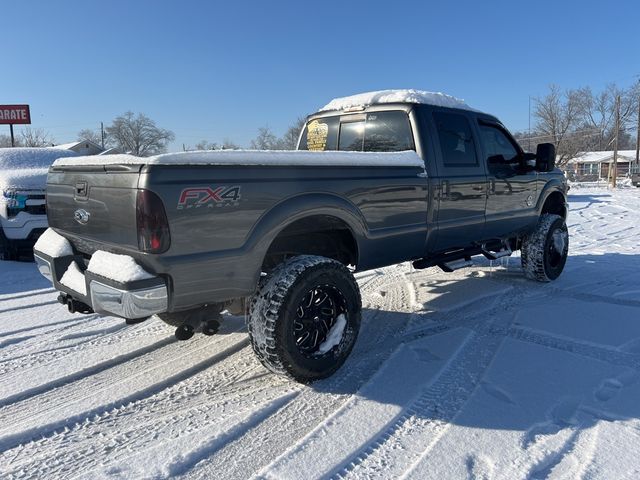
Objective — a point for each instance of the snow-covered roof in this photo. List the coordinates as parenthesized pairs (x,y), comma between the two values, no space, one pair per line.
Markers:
(66,146)
(604,156)
(255,157)
(72,145)
(27,167)
(396,96)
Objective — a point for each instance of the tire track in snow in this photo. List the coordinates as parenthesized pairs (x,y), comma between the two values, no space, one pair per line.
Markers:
(213,396)
(29,306)
(35,358)
(81,374)
(41,327)
(377,340)
(32,293)
(125,381)
(404,445)
(603,353)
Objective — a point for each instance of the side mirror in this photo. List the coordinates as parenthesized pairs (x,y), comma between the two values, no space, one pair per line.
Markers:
(545,157)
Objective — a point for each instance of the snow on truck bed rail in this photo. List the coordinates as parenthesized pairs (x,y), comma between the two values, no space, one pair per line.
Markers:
(256,157)
(396,96)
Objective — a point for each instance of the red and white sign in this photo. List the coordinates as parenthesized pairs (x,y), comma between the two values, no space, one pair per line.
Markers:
(15,115)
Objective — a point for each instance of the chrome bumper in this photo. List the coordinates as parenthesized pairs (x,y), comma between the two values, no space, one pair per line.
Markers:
(127,303)
(112,300)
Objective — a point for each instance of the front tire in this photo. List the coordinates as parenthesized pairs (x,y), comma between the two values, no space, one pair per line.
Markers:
(305,318)
(545,250)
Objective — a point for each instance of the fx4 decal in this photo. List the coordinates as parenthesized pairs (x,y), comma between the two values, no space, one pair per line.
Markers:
(198,197)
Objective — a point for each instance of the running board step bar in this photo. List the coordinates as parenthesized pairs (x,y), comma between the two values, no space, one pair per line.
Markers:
(505,252)
(456,265)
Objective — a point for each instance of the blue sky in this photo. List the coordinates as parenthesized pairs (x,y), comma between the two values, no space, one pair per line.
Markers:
(210,70)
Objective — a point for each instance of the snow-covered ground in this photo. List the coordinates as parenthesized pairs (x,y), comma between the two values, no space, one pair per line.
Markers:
(475,374)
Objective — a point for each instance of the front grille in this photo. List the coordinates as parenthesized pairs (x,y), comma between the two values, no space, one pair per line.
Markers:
(36,209)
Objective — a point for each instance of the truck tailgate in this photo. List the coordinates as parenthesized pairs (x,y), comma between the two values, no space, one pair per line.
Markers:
(94,204)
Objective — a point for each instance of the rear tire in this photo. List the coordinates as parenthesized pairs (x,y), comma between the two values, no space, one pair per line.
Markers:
(305,318)
(545,250)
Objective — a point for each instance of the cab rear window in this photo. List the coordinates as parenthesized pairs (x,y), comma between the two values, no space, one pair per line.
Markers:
(388,131)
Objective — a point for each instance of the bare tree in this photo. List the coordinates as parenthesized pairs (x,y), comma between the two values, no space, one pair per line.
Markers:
(139,135)
(557,117)
(5,141)
(265,140)
(289,140)
(597,111)
(205,145)
(92,136)
(35,137)
(227,144)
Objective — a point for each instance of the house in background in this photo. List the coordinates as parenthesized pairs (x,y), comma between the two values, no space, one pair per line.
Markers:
(593,166)
(83,147)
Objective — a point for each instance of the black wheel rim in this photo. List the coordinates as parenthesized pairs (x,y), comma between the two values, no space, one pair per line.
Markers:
(317,313)
(557,247)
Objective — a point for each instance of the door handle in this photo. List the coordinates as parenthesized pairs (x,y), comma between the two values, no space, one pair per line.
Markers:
(446,188)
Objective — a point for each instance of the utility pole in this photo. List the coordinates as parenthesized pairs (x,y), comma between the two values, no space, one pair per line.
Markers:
(638,135)
(615,143)
(529,147)
(102,133)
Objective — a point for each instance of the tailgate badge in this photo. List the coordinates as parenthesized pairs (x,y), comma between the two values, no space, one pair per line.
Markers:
(81,216)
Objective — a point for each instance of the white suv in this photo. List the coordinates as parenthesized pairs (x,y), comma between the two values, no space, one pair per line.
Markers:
(23,178)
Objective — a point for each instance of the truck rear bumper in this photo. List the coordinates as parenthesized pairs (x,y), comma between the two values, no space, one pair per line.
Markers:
(133,300)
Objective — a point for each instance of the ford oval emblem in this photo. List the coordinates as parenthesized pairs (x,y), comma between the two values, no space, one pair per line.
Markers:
(81,216)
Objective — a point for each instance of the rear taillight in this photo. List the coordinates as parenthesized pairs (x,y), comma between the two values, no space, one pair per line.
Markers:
(151,219)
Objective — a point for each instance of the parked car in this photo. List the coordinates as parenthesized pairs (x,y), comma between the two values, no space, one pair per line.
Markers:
(23,178)
(378,179)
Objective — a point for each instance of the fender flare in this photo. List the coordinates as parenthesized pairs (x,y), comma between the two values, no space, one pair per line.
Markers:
(552,186)
(298,207)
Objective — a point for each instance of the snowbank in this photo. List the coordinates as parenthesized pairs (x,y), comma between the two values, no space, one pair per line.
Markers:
(121,268)
(257,157)
(396,96)
(52,244)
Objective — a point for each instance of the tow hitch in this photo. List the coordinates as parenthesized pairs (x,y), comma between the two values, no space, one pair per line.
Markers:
(74,306)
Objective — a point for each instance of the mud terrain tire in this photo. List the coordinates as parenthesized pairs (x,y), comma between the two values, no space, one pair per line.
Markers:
(293,315)
(545,250)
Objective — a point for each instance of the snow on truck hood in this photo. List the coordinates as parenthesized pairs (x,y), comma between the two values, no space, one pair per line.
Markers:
(396,96)
(27,167)
(256,157)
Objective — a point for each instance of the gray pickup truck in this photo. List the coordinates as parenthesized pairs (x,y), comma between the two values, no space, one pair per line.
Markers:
(377,179)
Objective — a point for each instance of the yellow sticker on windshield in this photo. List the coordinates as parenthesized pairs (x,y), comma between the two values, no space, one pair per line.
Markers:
(317,136)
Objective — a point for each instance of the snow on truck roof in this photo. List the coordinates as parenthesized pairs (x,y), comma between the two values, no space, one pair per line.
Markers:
(256,157)
(396,96)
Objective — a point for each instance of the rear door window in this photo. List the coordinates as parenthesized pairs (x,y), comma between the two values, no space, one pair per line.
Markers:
(456,141)
(388,132)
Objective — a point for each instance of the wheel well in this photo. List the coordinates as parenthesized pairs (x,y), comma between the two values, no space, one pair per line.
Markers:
(322,235)
(555,203)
